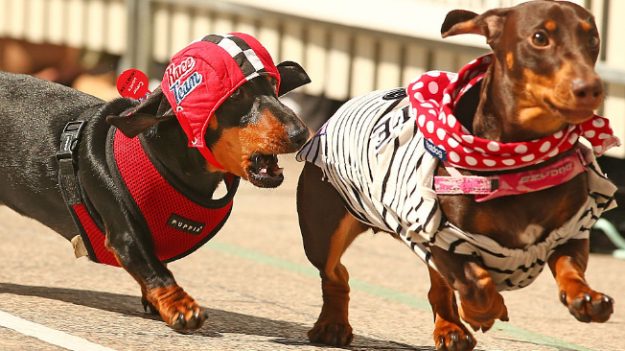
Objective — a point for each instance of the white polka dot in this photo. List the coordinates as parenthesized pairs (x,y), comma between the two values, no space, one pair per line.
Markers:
(426,105)
(604,136)
(554,152)
(453,143)
(434,74)
(442,117)
(471,161)
(433,87)
(421,120)
(480,150)
(493,146)
(545,146)
(468,138)
(432,112)
(520,149)
(598,122)
(440,133)
(528,158)
(590,133)
(446,99)
(464,130)
(489,163)
(451,121)
(417,85)
(454,157)
(452,78)
(508,162)
(419,97)
(430,126)
(573,138)
(598,150)
(558,134)
(467,150)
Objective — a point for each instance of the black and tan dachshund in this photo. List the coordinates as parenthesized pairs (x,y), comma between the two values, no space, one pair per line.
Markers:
(541,80)
(245,134)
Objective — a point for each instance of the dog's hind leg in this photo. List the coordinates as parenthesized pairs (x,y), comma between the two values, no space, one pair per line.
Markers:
(568,264)
(327,230)
(449,332)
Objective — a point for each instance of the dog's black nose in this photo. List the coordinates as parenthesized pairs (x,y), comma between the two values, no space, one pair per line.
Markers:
(588,91)
(298,136)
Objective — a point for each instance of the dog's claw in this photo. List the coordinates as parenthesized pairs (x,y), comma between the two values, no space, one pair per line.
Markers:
(148,307)
(563,298)
(589,307)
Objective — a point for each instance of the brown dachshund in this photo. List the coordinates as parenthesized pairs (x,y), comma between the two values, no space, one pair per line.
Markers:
(538,83)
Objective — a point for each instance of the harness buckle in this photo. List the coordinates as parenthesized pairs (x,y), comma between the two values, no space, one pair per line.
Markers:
(69,139)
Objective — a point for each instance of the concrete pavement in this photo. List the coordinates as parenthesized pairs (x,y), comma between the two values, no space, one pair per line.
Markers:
(262,294)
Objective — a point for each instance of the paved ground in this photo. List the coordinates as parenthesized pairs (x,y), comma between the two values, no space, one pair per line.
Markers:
(263,294)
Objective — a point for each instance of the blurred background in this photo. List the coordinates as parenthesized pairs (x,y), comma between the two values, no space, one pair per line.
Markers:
(348,47)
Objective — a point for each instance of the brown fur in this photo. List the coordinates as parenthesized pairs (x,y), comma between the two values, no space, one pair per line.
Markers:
(512,107)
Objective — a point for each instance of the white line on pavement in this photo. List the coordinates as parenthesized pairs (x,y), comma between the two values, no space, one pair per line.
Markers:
(49,335)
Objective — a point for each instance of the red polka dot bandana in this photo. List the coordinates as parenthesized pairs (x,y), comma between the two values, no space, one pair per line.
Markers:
(433,97)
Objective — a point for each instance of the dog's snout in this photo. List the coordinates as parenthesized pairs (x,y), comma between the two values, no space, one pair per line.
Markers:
(298,136)
(588,91)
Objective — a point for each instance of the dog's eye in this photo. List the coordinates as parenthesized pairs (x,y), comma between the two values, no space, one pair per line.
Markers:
(540,39)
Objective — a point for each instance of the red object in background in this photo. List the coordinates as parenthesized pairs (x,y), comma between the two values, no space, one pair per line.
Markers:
(133,83)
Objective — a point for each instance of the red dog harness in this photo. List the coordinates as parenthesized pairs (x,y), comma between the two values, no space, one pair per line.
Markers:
(197,81)
(178,225)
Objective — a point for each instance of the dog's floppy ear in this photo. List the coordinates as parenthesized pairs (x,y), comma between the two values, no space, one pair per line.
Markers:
(150,112)
(292,76)
(489,24)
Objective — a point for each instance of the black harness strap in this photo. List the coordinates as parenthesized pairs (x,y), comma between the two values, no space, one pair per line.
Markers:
(67,158)
(68,165)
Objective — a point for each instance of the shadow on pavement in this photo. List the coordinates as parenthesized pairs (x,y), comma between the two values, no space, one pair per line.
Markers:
(219,321)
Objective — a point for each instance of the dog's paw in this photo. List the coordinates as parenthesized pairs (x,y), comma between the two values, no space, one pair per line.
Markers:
(176,308)
(451,337)
(589,306)
(331,333)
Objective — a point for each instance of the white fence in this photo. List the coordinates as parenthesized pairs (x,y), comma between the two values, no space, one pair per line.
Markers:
(347,46)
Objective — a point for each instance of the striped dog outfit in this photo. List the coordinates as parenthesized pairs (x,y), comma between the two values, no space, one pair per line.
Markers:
(375,156)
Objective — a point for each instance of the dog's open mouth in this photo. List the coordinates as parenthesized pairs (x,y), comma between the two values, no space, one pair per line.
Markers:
(263,171)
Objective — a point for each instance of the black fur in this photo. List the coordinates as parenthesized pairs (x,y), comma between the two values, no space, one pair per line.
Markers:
(33,114)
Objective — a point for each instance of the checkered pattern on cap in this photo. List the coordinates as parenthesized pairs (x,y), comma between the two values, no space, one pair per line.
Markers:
(204,74)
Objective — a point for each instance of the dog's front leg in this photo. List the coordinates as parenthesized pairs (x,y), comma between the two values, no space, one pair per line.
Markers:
(449,332)
(160,292)
(480,302)
(568,264)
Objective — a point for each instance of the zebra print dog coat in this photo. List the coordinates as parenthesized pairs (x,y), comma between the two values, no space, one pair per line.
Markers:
(373,154)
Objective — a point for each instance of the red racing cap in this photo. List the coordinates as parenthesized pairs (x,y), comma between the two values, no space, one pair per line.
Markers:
(204,74)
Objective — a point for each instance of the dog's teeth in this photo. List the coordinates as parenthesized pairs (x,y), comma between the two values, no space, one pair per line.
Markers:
(263,171)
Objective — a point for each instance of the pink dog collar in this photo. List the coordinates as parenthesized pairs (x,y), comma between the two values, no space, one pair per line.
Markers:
(490,187)
(433,98)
